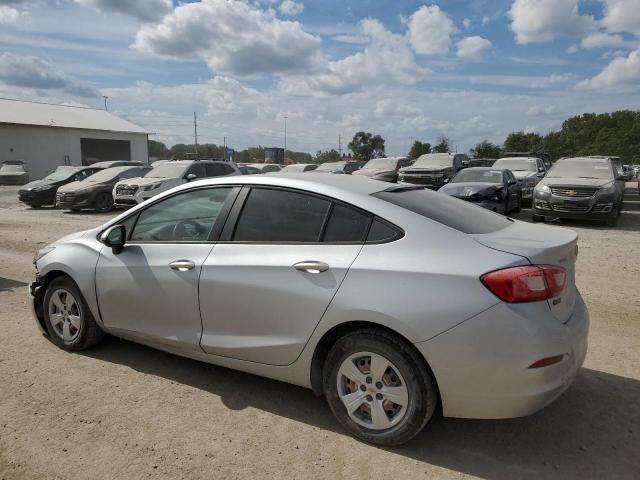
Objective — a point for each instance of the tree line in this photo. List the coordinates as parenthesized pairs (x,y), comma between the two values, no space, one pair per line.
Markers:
(616,133)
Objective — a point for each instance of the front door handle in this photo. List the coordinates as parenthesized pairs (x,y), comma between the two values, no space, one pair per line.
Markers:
(311,266)
(182,265)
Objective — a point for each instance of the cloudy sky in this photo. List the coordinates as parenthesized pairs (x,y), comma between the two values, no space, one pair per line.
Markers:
(407,70)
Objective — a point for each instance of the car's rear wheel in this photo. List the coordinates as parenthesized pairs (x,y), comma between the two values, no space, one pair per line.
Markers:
(104,202)
(69,321)
(379,387)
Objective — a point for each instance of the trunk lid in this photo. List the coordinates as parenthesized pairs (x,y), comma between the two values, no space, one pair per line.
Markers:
(541,245)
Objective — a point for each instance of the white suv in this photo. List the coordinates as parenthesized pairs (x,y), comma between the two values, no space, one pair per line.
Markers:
(166,175)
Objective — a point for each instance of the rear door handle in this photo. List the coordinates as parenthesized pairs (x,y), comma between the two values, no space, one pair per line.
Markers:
(182,265)
(311,266)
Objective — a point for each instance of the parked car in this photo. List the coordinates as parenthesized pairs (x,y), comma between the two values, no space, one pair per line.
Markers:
(482,162)
(487,187)
(627,172)
(385,169)
(299,167)
(13,172)
(586,188)
(168,175)
(43,192)
(527,170)
(387,300)
(338,167)
(266,167)
(96,191)
(249,170)
(432,169)
(117,163)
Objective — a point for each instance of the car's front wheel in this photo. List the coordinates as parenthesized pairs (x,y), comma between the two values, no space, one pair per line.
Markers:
(104,202)
(379,387)
(69,321)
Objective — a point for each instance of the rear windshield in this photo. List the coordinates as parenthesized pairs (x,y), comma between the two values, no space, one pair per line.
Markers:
(330,167)
(479,176)
(449,211)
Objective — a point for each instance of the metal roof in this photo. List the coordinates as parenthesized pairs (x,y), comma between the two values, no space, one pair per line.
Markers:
(62,116)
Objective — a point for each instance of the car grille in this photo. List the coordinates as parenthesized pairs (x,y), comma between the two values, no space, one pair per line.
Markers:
(571,208)
(65,197)
(125,201)
(422,177)
(126,189)
(26,196)
(578,192)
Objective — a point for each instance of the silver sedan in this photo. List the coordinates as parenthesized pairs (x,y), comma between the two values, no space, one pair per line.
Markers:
(387,300)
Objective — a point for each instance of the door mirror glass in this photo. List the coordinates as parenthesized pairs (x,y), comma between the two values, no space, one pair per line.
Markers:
(115,237)
(191,176)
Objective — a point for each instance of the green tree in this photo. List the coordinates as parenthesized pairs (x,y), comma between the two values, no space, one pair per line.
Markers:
(418,148)
(158,149)
(443,146)
(326,156)
(523,142)
(366,146)
(486,149)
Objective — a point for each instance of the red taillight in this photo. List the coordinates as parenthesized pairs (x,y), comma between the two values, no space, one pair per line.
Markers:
(526,284)
(545,362)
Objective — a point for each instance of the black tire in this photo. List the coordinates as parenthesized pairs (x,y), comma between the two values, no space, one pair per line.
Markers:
(89,333)
(537,218)
(104,202)
(421,386)
(613,220)
(36,205)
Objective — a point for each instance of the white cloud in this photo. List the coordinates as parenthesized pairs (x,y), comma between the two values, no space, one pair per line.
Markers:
(601,40)
(430,30)
(291,8)
(233,38)
(8,15)
(466,23)
(35,73)
(145,10)
(537,110)
(544,20)
(622,16)
(352,39)
(473,48)
(386,60)
(621,75)
(485,21)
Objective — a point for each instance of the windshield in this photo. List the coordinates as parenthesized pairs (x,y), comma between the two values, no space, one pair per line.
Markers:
(430,160)
(330,167)
(478,176)
(379,163)
(294,168)
(167,170)
(11,168)
(61,173)
(106,174)
(518,164)
(580,168)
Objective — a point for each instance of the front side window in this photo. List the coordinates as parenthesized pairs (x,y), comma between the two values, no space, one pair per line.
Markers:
(187,217)
(281,216)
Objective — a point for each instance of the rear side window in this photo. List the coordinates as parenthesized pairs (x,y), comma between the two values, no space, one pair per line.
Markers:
(446,210)
(381,232)
(346,225)
(281,216)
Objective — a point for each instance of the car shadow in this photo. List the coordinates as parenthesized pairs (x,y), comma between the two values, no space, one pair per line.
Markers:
(591,431)
(7,284)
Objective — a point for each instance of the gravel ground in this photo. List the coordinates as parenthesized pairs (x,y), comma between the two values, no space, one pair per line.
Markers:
(123,410)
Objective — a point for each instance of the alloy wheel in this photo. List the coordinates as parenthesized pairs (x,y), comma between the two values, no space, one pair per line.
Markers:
(65,315)
(372,390)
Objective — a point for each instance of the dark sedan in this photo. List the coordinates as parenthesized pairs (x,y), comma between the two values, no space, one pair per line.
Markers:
(584,188)
(94,192)
(491,188)
(43,192)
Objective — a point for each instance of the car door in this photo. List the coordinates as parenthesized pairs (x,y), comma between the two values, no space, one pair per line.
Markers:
(151,287)
(270,279)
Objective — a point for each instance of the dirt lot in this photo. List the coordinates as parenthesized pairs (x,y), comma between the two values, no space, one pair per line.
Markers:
(126,411)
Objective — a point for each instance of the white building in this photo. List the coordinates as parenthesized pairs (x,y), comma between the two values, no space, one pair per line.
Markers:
(45,136)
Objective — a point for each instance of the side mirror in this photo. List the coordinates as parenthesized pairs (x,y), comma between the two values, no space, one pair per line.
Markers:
(540,175)
(513,182)
(114,237)
(191,176)
(446,180)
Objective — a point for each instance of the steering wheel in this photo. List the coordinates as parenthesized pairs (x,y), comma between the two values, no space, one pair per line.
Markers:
(179,230)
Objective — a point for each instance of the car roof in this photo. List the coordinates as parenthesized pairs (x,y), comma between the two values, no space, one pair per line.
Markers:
(518,158)
(587,159)
(484,169)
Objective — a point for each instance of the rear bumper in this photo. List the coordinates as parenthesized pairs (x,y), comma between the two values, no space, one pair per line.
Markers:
(481,365)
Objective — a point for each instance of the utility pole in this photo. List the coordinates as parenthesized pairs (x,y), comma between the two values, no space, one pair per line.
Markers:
(340,146)
(195,133)
(285,136)
(105,102)
(224,148)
